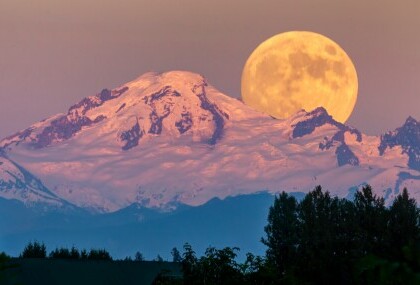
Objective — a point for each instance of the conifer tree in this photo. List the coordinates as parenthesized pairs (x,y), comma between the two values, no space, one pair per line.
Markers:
(282,232)
(34,250)
(176,255)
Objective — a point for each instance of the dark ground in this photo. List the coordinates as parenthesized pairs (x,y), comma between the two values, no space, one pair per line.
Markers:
(80,272)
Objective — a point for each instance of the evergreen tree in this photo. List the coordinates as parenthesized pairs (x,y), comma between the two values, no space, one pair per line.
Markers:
(4,260)
(371,215)
(138,256)
(34,250)
(176,255)
(189,265)
(65,253)
(282,233)
(403,224)
(60,253)
(74,253)
(83,254)
(318,244)
(99,254)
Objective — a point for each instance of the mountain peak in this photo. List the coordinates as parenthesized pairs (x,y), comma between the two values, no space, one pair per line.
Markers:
(176,103)
(408,137)
(305,123)
(177,79)
(410,121)
(320,111)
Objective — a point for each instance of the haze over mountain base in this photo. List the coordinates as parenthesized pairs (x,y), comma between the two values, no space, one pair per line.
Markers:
(237,221)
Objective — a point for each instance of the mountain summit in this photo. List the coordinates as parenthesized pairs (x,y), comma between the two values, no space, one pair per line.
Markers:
(171,138)
(173,103)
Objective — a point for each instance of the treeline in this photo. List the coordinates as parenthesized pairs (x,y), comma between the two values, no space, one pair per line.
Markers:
(326,240)
(318,240)
(321,240)
(39,250)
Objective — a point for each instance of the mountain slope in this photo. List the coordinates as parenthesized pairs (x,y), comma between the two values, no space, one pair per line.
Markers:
(18,184)
(171,138)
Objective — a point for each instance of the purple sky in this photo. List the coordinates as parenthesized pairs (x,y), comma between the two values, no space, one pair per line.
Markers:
(54,52)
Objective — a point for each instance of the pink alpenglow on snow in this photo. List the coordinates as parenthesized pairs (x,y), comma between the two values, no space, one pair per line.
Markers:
(171,138)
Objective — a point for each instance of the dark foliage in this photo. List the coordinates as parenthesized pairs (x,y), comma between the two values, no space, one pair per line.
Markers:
(138,256)
(99,254)
(39,250)
(3,259)
(176,255)
(282,234)
(65,253)
(322,240)
(326,240)
(34,250)
(165,278)
(217,266)
(83,254)
(6,264)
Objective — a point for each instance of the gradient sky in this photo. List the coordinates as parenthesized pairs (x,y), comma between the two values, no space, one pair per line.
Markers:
(55,52)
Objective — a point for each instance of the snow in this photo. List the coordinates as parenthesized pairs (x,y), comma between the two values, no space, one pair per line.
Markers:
(193,144)
(16,183)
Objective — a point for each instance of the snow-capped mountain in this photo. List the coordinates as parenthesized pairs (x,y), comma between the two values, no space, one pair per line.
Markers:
(171,138)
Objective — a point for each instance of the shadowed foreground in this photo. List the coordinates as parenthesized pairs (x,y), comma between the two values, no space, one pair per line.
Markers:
(54,271)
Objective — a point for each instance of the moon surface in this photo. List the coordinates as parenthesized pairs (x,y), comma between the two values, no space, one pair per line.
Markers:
(300,70)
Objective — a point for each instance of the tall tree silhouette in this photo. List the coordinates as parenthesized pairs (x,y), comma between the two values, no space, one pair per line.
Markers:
(372,217)
(176,255)
(282,233)
(403,224)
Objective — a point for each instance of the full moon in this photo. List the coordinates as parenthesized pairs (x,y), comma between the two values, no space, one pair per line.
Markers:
(300,70)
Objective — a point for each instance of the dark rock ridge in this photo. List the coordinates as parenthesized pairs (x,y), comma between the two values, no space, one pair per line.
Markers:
(185,123)
(320,117)
(408,137)
(63,128)
(215,111)
(18,137)
(162,105)
(67,125)
(92,102)
(345,155)
(317,118)
(343,151)
(132,136)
